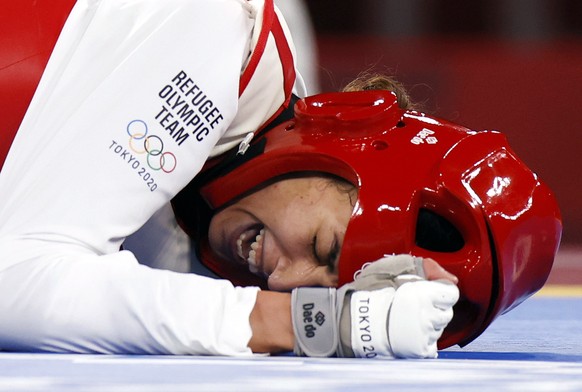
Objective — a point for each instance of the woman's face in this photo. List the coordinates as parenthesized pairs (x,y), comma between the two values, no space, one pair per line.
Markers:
(290,232)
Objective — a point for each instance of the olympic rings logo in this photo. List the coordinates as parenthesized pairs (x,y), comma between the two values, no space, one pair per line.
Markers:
(153,146)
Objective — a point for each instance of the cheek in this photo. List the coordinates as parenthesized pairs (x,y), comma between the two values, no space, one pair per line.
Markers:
(299,274)
(215,229)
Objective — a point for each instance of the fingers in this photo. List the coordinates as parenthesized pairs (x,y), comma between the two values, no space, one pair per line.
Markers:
(442,319)
(434,271)
(444,295)
(396,265)
(420,312)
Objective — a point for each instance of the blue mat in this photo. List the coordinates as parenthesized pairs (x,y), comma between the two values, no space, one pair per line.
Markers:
(536,347)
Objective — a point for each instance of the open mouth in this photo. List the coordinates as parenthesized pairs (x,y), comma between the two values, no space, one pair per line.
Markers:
(249,246)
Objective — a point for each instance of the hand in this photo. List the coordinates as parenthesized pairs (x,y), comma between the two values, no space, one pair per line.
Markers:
(434,271)
(420,312)
(371,317)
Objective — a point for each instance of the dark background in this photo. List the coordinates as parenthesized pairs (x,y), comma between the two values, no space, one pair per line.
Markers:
(513,65)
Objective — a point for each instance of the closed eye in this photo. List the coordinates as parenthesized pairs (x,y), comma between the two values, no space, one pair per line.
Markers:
(314,250)
(330,258)
(333,255)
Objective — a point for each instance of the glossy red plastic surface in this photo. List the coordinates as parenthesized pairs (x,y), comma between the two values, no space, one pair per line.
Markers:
(406,161)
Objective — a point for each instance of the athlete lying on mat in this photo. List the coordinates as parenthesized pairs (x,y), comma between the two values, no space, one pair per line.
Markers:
(197,102)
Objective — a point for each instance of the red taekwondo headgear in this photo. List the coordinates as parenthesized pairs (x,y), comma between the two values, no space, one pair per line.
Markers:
(427,187)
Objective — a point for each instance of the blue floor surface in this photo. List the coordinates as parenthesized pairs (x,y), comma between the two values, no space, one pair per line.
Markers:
(536,347)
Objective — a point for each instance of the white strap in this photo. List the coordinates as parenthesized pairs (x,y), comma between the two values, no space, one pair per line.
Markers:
(369,311)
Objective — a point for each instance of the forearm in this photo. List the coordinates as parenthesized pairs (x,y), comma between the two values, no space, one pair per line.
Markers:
(112,305)
(271,323)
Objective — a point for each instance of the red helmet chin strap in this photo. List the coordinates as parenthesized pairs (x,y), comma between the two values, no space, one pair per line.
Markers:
(426,186)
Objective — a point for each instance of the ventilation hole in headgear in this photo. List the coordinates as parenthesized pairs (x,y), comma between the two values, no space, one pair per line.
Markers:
(437,234)
(400,124)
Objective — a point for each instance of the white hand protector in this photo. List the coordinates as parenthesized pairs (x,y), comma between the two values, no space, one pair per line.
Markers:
(420,312)
(379,315)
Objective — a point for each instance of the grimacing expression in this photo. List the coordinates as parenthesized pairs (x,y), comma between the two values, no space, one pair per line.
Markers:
(290,232)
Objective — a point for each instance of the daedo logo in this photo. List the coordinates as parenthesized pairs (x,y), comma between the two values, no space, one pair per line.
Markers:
(309,318)
(140,142)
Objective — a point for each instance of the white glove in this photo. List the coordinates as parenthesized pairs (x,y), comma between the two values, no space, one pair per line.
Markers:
(372,317)
(420,312)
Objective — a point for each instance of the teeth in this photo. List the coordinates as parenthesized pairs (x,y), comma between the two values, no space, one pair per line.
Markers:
(252,263)
(252,257)
(239,243)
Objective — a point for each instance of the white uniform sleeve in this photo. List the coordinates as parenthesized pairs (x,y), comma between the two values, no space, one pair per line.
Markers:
(134,98)
(111,304)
